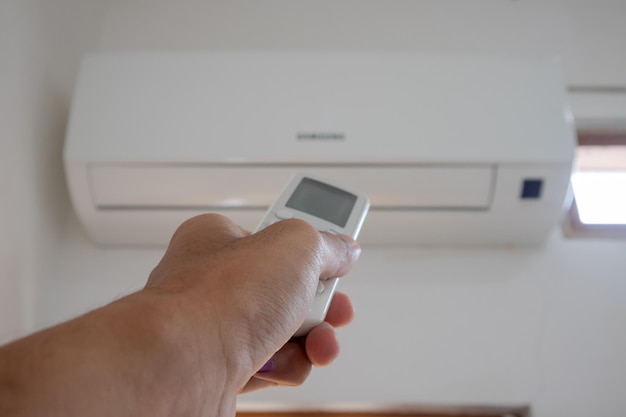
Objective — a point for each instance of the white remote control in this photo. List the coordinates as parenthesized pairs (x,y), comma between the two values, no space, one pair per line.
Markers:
(328,207)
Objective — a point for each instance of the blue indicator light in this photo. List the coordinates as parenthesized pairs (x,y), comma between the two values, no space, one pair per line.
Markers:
(531,189)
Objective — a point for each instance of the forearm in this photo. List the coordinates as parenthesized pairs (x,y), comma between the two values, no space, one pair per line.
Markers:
(128,358)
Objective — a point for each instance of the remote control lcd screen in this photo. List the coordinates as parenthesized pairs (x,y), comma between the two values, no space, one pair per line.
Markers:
(322,200)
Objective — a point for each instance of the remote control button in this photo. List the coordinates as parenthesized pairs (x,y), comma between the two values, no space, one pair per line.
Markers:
(320,287)
(284,214)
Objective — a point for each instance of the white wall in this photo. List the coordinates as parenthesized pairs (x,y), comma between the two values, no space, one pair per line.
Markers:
(11,319)
(540,326)
(40,45)
(588,34)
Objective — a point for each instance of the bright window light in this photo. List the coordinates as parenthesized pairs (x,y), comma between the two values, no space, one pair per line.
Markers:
(600,196)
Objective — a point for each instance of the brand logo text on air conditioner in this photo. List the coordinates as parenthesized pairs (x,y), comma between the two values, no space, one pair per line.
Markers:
(321,136)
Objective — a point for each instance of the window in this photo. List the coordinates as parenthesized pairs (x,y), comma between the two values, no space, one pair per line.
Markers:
(599,185)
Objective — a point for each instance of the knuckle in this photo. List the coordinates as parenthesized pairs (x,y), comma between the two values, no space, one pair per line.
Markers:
(306,237)
(213,221)
(304,232)
(192,223)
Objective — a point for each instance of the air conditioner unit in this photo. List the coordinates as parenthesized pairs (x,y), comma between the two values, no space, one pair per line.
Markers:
(451,150)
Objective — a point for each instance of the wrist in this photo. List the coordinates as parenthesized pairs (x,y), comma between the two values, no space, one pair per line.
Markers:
(204,369)
(171,370)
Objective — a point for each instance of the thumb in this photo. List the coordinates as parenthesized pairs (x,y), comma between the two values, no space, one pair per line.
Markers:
(324,254)
(340,254)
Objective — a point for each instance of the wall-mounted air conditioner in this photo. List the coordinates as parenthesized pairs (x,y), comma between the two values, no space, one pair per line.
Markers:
(450,149)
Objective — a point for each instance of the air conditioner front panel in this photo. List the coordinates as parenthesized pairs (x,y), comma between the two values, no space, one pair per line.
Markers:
(241,186)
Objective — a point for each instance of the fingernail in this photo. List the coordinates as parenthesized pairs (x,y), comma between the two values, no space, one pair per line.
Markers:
(269,365)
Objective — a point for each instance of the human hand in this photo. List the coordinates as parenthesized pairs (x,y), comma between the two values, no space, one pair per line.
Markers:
(217,307)
(249,293)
